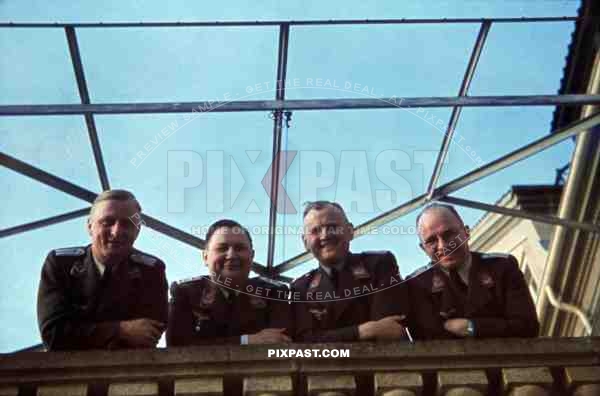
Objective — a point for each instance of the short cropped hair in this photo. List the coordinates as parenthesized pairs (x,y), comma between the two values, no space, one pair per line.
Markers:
(226,223)
(115,195)
(438,205)
(319,205)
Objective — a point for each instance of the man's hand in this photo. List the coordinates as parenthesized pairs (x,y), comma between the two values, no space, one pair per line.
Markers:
(388,328)
(457,327)
(141,333)
(269,336)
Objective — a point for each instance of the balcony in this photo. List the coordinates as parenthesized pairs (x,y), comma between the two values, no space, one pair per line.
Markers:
(519,367)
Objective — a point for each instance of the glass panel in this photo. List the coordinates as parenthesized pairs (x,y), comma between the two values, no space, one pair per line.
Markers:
(190,172)
(36,67)
(538,170)
(26,200)
(533,67)
(58,145)
(193,64)
(372,61)
(483,135)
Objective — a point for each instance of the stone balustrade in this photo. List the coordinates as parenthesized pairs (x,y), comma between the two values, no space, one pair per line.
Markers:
(516,367)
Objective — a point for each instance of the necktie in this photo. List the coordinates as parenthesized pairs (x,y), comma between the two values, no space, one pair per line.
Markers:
(105,277)
(334,277)
(233,297)
(457,280)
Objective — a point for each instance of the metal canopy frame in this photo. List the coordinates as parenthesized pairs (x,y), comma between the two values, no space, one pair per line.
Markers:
(278,106)
(85,99)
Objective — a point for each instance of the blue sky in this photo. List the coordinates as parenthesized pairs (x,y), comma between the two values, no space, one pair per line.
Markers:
(341,155)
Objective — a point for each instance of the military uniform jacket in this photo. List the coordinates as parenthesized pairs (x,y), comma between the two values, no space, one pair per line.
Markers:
(79,309)
(201,313)
(368,287)
(498,300)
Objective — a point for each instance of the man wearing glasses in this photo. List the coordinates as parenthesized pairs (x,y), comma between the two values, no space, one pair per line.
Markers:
(461,293)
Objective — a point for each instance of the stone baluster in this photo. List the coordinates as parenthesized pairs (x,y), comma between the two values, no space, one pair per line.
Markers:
(398,384)
(204,386)
(463,383)
(62,390)
(331,385)
(133,389)
(277,385)
(530,381)
(583,381)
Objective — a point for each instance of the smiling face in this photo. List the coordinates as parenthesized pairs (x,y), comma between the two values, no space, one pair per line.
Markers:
(229,254)
(112,230)
(444,237)
(327,234)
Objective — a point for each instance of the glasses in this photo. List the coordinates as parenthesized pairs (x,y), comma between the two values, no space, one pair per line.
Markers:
(450,237)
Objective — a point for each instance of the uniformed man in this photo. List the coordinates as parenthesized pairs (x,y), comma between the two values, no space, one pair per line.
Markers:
(226,307)
(105,295)
(463,293)
(349,297)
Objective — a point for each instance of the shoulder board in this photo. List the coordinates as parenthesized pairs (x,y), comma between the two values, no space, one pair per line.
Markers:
(73,251)
(145,259)
(419,271)
(272,282)
(189,280)
(494,255)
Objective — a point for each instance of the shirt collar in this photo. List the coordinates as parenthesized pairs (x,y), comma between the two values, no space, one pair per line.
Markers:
(338,266)
(227,292)
(99,265)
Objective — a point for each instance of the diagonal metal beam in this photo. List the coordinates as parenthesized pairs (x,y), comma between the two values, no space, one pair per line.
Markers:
(44,222)
(46,178)
(460,182)
(522,214)
(85,99)
(393,102)
(464,89)
(173,232)
(284,31)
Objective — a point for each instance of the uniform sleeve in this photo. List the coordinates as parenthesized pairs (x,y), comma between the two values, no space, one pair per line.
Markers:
(157,299)
(392,299)
(59,319)
(520,318)
(424,322)
(180,319)
(280,315)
